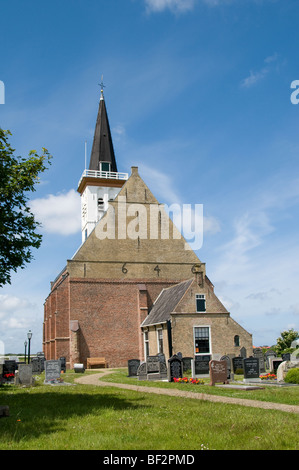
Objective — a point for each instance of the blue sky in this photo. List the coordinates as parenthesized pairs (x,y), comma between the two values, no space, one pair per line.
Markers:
(198,96)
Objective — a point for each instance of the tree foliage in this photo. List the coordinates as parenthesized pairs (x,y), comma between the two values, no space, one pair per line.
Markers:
(285,340)
(18,177)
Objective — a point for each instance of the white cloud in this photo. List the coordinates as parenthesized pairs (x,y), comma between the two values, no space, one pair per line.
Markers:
(255,77)
(176,6)
(59,214)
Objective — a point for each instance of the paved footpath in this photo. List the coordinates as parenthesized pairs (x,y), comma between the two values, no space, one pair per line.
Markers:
(94,380)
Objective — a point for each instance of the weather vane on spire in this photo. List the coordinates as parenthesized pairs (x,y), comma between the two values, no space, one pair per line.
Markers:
(102,86)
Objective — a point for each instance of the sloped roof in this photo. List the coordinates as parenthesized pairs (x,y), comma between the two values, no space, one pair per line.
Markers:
(166,303)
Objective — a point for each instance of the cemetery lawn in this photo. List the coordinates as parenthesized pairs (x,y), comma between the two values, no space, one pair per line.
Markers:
(87,417)
(267,393)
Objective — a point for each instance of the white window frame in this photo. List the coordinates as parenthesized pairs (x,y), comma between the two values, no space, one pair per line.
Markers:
(146,342)
(160,330)
(210,343)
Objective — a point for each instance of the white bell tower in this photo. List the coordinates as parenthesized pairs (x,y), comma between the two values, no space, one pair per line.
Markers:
(101,182)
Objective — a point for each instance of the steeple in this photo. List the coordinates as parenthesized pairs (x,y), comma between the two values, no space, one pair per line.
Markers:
(101,182)
(102,154)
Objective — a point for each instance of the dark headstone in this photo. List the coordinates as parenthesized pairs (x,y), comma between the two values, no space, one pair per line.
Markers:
(201,365)
(36,365)
(9,368)
(133,365)
(218,372)
(286,357)
(276,363)
(153,364)
(238,364)
(175,368)
(161,357)
(63,363)
(251,368)
(186,363)
(258,353)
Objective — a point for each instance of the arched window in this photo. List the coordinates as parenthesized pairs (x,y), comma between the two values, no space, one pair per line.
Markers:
(237,340)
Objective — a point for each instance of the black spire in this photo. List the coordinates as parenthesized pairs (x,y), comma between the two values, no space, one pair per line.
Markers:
(102,148)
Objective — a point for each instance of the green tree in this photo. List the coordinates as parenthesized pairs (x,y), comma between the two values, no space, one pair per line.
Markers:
(285,340)
(18,177)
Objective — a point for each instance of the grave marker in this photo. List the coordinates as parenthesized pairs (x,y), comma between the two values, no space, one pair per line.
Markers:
(218,372)
(133,365)
(238,364)
(175,368)
(251,369)
(53,370)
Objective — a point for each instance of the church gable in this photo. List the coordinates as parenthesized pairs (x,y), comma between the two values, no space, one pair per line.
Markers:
(200,299)
(136,238)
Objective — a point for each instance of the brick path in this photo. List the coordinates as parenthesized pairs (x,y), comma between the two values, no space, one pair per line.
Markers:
(94,380)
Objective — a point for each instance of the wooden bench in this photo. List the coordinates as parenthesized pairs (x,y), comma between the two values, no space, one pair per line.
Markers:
(96,361)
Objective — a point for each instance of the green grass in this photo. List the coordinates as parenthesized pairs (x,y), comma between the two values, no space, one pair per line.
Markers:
(268,393)
(90,417)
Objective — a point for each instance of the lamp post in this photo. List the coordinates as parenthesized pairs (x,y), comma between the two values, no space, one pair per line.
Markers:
(25,344)
(29,336)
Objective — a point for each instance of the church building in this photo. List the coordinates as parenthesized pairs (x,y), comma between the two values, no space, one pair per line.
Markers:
(132,289)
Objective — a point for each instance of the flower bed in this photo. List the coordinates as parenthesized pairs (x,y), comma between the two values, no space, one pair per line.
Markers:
(190,381)
(268,377)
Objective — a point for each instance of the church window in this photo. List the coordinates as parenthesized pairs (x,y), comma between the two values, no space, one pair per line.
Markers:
(160,340)
(200,302)
(202,340)
(237,340)
(146,344)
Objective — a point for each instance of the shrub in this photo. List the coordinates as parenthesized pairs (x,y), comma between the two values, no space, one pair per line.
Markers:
(292,376)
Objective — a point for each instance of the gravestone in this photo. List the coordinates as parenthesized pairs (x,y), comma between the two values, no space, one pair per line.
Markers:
(186,363)
(9,368)
(228,365)
(142,371)
(251,370)
(243,352)
(1,374)
(42,359)
(36,366)
(286,357)
(238,364)
(63,364)
(275,363)
(25,374)
(161,357)
(201,365)
(152,369)
(284,368)
(258,353)
(269,355)
(179,355)
(175,368)
(218,372)
(133,365)
(52,370)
